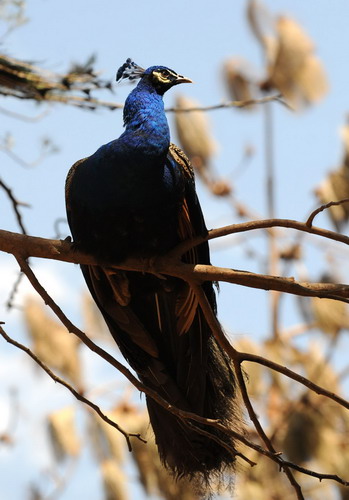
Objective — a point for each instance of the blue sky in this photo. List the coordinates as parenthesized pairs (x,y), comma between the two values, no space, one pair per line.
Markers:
(194,38)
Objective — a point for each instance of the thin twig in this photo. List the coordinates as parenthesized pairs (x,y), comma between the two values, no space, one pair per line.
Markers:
(254,358)
(14,290)
(25,118)
(324,207)
(15,205)
(92,103)
(20,161)
(232,104)
(75,393)
(257,224)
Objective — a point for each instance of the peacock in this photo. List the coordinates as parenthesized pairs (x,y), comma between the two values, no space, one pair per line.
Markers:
(135,197)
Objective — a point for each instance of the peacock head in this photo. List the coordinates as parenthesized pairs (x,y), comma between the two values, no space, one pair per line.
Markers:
(160,78)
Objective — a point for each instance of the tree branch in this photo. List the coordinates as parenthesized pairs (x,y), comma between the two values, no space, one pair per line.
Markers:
(63,250)
(31,246)
(324,207)
(74,392)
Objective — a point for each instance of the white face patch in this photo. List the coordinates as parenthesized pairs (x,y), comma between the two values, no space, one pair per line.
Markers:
(165,76)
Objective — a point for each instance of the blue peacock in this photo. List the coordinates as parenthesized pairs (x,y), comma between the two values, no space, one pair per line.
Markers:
(136,197)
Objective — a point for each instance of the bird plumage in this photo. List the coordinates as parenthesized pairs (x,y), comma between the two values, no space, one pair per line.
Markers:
(135,197)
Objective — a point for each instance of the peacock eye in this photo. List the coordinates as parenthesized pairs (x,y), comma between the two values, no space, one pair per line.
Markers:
(164,72)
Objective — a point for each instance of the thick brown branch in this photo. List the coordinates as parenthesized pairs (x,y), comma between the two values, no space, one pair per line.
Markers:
(27,246)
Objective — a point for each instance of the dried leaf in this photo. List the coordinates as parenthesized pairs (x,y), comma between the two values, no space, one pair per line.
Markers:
(263,26)
(328,455)
(153,476)
(94,324)
(146,459)
(114,480)
(220,187)
(330,316)
(63,433)
(344,133)
(335,187)
(291,252)
(238,79)
(303,434)
(295,71)
(52,343)
(107,441)
(344,492)
(263,482)
(145,455)
(318,369)
(194,134)
(312,80)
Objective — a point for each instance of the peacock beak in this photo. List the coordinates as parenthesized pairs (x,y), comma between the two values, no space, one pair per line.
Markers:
(181,79)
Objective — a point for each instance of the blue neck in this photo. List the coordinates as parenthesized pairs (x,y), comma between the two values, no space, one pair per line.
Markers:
(147,130)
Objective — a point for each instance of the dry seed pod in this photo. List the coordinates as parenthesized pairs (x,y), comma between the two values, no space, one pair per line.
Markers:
(331,316)
(145,457)
(94,324)
(220,187)
(344,133)
(106,440)
(114,481)
(238,81)
(318,369)
(291,252)
(262,24)
(296,72)
(63,434)
(169,487)
(312,80)
(172,489)
(154,478)
(131,417)
(334,188)
(250,489)
(303,435)
(263,482)
(344,492)
(328,455)
(194,134)
(52,343)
